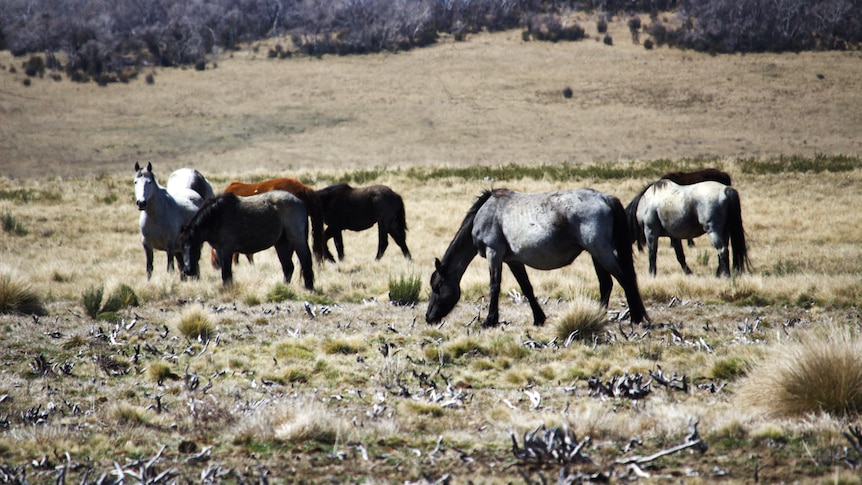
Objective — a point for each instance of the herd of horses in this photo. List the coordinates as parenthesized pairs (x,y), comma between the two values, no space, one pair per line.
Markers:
(544,231)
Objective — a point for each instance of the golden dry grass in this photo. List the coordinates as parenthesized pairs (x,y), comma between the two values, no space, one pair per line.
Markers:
(302,397)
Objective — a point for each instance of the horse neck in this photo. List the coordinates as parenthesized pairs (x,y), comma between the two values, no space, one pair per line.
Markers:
(162,200)
(460,252)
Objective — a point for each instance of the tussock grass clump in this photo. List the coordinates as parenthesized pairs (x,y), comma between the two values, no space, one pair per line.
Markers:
(11,225)
(819,374)
(158,372)
(309,421)
(122,297)
(195,324)
(127,415)
(293,350)
(404,290)
(583,321)
(18,297)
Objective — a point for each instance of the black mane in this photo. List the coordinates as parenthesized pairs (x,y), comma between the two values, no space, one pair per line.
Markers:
(464,236)
(211,208)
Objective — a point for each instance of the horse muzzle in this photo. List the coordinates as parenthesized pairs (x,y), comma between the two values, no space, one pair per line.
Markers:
(142,204)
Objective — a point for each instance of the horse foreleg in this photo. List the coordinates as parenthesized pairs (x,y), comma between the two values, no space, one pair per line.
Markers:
(680,254)
(382,239)
(148,252)
(495,265)
(226,268)
(170,252)
(523,280)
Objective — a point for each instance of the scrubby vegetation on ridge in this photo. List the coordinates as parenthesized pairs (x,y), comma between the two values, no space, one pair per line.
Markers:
(110,41)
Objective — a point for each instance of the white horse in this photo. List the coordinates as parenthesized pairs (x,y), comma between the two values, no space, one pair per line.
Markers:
(165,210)
(665,208)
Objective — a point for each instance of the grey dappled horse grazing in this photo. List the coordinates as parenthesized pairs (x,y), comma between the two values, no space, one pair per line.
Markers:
(702,175)
(165,210)
(544,231)
(665,208)
(232,224)
(357,209)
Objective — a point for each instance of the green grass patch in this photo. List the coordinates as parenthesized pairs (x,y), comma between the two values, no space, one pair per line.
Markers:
(280,292)
(729,368)
(799,164)
(404,291)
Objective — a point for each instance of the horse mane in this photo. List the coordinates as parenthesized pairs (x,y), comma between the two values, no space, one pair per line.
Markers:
(211,208)
(697,176)
(464,235)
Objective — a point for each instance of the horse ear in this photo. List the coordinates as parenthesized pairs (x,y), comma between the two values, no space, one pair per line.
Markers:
(437,264)
(149,166)
(137,167)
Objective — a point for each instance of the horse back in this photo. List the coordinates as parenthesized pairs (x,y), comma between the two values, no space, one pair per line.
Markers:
(189,178)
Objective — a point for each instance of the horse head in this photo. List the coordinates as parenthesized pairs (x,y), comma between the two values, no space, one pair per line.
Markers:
(445,293)
(145,183)
(191,249)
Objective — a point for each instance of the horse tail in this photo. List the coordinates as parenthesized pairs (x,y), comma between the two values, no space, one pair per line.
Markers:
(623,247)
(636,231)
(741,262)
(315,212)
(401,216)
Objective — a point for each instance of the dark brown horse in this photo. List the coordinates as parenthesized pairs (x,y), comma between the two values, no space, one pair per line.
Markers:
(247,225)
(305,193)
(357,209)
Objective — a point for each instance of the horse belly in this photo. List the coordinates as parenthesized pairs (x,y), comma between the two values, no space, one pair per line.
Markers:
(542,251)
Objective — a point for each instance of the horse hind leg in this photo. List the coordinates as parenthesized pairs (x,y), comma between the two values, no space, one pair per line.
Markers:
(399,235)
(721,245)
(382,239)
(680,254)
(284,250)
(606,284)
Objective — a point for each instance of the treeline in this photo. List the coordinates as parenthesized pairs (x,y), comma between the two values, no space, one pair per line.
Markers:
(109,39)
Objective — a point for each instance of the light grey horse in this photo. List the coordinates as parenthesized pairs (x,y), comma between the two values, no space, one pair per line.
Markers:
(665,208)
(165,210)
(247,225)
(544,231)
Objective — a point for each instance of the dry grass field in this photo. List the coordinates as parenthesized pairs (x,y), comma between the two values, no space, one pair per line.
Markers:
(364,391)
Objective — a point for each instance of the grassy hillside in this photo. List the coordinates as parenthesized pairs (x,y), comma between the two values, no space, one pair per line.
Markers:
(492,100)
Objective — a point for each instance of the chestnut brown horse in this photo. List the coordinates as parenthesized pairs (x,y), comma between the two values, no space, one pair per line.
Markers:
(303,192)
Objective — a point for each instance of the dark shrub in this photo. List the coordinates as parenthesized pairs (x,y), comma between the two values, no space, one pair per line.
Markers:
(150,78)
(658,32)
(602,24)
(608,40)
(567,93)
(26,81)
(35,66)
